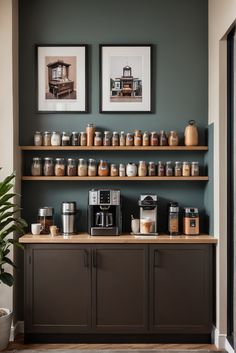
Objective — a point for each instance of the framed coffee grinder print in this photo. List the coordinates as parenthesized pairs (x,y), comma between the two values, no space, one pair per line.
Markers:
(62,78)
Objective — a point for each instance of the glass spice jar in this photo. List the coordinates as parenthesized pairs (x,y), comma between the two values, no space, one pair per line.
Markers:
(131,169)
(154,138)
(83,138)
(47,138)
(107,138)
(48,167)
(137,138)
(161,169)
(122,138)
(122,170)
(98,138)
(178,169)
(129,139)
(90,130)
(169,169)
(92,167)
(145,138)
(103,168)
(186,170)
(163,138)
(115,138)
(56,138)
(142,169)
(74,138)
(194,169)
(82,167)
(71,167)
(60,168)
(65,139)
(114,170)
(38,138)
(151,169)
(173,138)
(36,166)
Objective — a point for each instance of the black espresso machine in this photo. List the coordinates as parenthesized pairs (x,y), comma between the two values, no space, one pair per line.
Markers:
(104,212)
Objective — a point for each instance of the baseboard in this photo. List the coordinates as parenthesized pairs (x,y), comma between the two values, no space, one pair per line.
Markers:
(228,347)
(220,340)
(16,329)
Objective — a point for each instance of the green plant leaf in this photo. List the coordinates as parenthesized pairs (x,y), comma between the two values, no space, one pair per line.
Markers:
(6,198)
(7,215)
(8,261)
(6,278)
(5,189)
(7,206)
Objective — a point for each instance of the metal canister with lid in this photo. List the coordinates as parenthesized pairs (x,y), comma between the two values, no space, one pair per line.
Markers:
(191,221)
(173,218)
(45,218)
(68,217)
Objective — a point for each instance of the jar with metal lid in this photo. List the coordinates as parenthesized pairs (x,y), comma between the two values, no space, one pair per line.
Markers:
(131,169)
(48,167)
(154,138)
(60,168)
(56,138)
(173,218)
(129,139)
(151,169)
(92,167)
(47,138)
(169,169)
(186,170)
(74,138)
(114,170)
(71,169)
(146,138)
(38,138)
(122,138)
(65,139)
(115,138)
(82,167)
(194,169)
(45,218)
(142,169)
(36,166)
(173,138)
(90,130)
(163,138)
(178,169)
(107,138)
(122,170)
(103,168)
(98,138)
(137,138)
(161,169)
(83,138)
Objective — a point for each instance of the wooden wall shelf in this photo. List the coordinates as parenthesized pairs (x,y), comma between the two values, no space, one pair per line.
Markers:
(114,148)
(97,178)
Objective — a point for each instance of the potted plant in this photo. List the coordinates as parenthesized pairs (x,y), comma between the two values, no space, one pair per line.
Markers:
(10,222)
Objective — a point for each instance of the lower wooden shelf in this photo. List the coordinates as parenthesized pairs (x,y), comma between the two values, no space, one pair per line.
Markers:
(109,178)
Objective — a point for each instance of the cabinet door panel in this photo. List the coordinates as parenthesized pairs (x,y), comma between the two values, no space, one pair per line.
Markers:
(181,288)
(119,288)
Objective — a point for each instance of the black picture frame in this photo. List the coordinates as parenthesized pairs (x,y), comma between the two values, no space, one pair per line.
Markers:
(134,103)
(59,99)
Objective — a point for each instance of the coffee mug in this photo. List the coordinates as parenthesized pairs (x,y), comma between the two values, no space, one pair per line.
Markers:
(36,228)
(135,225)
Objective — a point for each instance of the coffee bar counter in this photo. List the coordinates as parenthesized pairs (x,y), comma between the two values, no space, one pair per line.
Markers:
(85,238)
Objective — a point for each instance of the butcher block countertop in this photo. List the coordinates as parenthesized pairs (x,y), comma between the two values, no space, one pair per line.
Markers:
(85,238)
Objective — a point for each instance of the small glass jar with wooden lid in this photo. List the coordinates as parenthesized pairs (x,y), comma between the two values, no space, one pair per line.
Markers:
(137,138)
(173,138)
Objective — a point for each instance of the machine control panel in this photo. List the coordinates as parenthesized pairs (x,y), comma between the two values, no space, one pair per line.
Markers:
(104,197)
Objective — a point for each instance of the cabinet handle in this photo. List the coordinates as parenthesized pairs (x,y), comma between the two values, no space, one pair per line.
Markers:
(94,258)
(86,258)
(156,260)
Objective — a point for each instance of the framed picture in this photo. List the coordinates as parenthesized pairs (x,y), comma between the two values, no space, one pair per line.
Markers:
(62,78)
(125,78)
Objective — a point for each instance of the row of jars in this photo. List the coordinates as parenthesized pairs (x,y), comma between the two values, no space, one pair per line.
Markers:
(70,167)
(107,138)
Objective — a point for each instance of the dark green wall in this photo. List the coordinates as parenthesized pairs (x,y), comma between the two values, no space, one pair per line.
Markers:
(178,31)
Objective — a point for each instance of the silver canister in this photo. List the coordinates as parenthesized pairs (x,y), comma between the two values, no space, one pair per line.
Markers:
(68,217)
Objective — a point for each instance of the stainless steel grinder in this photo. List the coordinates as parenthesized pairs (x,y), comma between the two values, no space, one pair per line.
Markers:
(68,217)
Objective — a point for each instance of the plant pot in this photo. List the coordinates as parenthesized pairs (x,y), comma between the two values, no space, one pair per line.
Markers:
(5,328)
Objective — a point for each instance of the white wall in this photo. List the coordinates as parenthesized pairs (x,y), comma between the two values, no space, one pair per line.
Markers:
(222,15)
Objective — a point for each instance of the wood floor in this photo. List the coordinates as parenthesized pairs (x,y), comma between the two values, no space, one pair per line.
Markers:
(19,344)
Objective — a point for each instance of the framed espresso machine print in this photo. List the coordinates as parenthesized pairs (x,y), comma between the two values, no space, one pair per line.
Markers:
(62,78)
(125,78)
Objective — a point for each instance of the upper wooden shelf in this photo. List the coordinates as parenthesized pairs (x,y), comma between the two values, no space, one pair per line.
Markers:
(114,148)
(109,178)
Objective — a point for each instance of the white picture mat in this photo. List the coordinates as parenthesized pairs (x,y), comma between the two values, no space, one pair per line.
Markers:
(77,104)
(145,53)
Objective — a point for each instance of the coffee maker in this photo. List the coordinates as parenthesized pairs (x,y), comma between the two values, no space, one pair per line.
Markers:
(148,214)
(104,212)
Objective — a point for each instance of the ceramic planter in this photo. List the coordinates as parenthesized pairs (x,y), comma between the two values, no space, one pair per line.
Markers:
(5,328)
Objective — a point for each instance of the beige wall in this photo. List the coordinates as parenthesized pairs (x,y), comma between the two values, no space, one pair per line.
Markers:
(222,15)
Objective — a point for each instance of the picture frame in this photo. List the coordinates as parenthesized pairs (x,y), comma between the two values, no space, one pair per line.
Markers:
(62,80)
(125,78)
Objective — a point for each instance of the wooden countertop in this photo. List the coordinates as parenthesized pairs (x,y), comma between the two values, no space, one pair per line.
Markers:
(84,238)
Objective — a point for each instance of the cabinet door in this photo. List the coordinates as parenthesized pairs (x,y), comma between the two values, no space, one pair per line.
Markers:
(120,288)
(181,288)
(58,287)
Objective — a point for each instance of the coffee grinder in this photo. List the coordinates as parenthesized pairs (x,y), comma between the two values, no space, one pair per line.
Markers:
(148,214)
(104,212)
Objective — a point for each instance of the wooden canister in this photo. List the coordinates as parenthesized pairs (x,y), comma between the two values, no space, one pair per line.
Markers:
(191,134)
